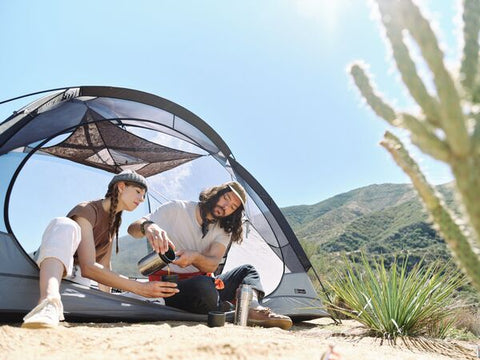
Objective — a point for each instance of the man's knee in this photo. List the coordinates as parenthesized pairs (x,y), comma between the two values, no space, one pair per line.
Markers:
(249,268)
(245,270)
(198,295)
(204,286)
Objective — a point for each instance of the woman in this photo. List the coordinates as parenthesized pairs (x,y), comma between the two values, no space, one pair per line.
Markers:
(83,241)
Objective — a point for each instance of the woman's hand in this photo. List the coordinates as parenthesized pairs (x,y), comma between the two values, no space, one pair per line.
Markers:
(154,289)
(158,238)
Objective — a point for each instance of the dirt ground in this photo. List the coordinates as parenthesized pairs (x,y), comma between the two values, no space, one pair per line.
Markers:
(191,340)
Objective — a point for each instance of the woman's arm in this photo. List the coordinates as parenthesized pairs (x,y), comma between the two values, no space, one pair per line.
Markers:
(98,272)
(107,264)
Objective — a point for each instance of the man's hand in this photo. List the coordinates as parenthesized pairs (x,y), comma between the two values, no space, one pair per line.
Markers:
(154,289)
(158,238)
(185,258)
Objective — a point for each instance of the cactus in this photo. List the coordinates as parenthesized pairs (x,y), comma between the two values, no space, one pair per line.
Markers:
(447,125)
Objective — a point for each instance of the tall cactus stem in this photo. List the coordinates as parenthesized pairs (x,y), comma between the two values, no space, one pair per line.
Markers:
(451,232)
(467,175)
(471,27)
(476,137)
(406,66)
(452,119)
(380,107)
(424,137)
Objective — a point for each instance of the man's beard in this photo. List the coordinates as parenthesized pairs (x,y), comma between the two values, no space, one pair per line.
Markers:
(214,216)
(210,207)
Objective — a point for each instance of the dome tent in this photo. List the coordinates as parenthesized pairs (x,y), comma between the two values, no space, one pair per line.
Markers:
(74,134)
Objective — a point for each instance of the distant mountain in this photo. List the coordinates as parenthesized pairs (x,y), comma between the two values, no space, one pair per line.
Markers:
(328,219)
(386,219)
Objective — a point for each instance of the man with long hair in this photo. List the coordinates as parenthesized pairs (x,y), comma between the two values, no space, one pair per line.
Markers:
(200,232)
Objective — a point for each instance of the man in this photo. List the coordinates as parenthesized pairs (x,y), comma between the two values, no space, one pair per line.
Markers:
(200,233)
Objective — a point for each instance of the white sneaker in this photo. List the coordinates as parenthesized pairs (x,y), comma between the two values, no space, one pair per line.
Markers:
(47,314)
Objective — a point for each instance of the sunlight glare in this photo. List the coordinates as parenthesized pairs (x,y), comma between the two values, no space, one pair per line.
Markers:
(326,12)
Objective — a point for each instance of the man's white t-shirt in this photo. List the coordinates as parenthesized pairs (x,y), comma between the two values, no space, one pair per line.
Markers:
(178,219)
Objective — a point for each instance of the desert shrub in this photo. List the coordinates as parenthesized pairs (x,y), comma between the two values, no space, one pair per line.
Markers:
(393,302)
(468,320)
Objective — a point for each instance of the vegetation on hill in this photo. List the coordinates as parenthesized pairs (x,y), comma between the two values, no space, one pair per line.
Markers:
(327,219)
(349,221)
(385,221)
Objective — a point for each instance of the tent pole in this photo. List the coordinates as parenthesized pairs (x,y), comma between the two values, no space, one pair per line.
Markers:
(337,321)
(34,93)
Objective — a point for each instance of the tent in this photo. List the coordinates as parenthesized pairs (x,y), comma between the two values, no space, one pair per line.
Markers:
(55,151)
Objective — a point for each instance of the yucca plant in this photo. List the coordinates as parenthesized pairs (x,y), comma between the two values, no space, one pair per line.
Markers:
(393,302)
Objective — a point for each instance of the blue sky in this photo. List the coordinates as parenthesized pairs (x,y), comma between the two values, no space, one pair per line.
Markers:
(268,75)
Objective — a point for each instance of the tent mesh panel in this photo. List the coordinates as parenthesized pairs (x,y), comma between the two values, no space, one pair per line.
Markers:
(105,146)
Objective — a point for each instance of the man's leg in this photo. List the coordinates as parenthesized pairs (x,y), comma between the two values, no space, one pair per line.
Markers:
(197,295)
(257,315)
(245,274)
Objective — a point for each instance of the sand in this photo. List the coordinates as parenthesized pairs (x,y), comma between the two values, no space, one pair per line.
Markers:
(191,340)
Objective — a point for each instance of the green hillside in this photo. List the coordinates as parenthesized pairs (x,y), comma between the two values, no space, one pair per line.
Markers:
(328,219)
(385,220)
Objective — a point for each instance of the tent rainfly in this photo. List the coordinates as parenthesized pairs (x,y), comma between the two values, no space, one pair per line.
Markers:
(88,132)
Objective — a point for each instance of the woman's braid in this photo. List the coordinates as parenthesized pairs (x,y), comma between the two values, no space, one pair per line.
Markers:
(114,219)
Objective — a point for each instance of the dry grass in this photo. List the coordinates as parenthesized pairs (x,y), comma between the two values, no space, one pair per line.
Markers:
(468,319)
